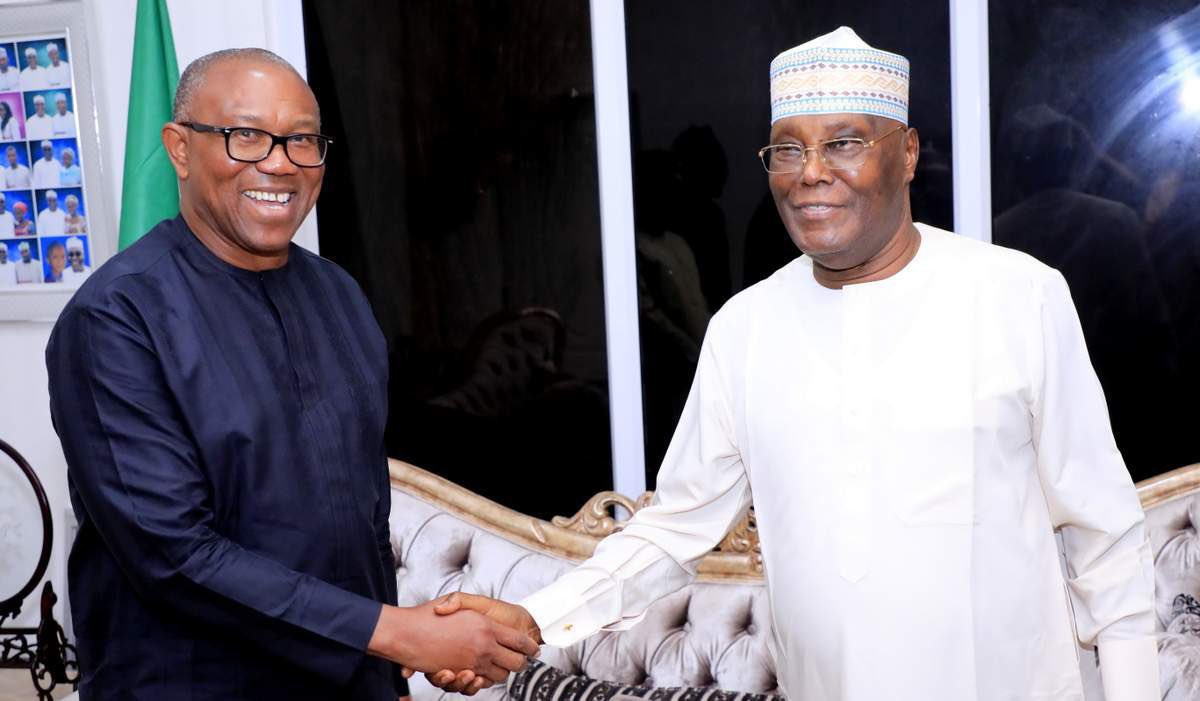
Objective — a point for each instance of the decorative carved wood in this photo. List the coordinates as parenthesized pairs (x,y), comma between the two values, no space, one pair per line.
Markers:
(596,519)
(737,557)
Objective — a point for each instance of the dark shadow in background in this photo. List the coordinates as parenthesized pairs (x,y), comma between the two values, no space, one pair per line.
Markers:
(673,307)
(461,193)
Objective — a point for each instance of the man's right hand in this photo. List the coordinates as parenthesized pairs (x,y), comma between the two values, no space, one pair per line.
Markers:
(421,640)
(463,681)
(511,615)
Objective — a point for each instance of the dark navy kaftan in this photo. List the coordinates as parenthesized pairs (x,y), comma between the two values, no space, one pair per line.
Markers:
(223,431)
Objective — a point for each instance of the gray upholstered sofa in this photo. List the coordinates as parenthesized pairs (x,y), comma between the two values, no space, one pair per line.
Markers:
(712,633)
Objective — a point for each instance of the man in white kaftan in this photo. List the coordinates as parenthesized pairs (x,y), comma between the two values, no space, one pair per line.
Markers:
(47,170)
(10,78)
(62,122)
(911,443)
(8,270)
(39,125)
(32,77)
(52,220)
(28,268)
(58,73)
(915,415)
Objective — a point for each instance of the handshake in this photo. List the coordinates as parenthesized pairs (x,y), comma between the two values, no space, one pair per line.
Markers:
(462,642)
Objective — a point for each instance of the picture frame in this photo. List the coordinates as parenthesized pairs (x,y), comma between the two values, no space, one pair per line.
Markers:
(55,136)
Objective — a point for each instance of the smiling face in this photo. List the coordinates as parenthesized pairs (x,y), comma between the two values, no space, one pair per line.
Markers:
(39,108)
(31,60)
(68,159)
(254,209)
(843,218)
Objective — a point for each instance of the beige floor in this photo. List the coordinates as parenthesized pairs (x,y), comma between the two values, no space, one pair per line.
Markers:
(15,685)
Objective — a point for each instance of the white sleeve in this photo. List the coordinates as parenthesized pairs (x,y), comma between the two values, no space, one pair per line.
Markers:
(702,489)
(1092,501)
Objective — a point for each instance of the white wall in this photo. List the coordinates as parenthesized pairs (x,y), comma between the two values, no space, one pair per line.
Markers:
(25,424)
(199,27)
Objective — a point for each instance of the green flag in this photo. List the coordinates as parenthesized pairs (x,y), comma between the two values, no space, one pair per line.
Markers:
(150,193)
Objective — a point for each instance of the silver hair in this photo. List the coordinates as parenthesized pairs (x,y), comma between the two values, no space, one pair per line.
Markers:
(193,76)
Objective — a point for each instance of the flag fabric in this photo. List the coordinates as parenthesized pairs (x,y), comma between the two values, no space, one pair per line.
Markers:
(150,192)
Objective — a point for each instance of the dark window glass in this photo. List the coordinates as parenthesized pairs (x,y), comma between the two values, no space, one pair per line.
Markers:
(1096,171)
(461,192)
(700,110)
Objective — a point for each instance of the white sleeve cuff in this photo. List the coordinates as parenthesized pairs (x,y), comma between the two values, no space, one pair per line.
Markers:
(574,607)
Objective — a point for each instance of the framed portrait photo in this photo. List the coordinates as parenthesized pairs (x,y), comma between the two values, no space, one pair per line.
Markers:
(55,225)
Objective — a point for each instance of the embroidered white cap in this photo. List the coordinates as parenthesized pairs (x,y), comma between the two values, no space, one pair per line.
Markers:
(838,72)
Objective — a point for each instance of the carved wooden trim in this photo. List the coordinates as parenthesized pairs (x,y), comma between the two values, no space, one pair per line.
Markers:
(562,541)
(595,519)
(737,558)
(1169,486)
(743,538)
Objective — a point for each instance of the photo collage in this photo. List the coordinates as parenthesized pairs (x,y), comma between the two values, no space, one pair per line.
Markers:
(43,210)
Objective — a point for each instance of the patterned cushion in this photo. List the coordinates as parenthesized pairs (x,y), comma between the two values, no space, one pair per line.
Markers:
(1177,562)
(1179,652)
(542,682)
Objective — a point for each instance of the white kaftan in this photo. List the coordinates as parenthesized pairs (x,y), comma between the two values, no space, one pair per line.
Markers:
(911,444)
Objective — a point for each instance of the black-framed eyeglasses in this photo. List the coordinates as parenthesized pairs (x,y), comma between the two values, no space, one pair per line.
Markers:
(837,154)
(250,145)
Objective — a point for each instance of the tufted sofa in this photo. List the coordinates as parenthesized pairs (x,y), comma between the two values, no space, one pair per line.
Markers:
(712,633)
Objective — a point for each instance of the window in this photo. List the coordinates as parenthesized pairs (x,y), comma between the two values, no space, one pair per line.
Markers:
(1096,171)
(462,194)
